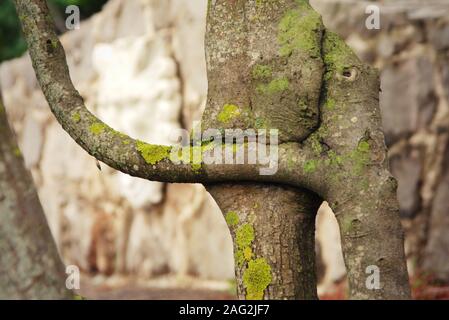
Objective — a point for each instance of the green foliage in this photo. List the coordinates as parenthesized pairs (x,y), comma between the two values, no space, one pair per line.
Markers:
(12,43)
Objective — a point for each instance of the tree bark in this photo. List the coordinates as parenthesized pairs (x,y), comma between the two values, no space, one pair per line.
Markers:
(273,230)
(246,75)
(30,266)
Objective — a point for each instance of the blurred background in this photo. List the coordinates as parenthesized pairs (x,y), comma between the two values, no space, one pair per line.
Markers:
(140,66)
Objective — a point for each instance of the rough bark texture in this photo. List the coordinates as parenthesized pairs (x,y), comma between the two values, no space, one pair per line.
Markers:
(273,230)
(30,266)
(271,64)
(251,85)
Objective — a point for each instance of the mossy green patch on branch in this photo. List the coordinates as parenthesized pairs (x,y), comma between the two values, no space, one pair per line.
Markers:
(300,29)
(363,146)
(239,258)
(310,166)
(247,253)
(334,159)
(275,86)
(229,112)
(256,278)
(97,128)
(337,54)
(232,218)
(152,153)
(244,236)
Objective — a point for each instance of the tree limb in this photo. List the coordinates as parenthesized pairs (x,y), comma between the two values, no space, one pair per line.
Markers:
(116,149)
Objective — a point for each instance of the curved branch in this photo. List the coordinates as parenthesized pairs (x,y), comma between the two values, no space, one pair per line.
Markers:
(99,140)
(118,150)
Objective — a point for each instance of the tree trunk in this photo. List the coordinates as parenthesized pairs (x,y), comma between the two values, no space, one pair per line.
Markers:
(273,230)
(246,74)
(30,266)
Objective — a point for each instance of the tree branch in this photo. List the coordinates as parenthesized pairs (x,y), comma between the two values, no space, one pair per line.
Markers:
(118,150)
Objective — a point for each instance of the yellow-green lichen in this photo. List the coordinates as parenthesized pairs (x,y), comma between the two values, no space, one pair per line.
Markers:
(76,117)
(300,29)
(152,153)
(97,128)
(239,258)
(256,278)
(232,218)
(275,86)
(363,146)
(229,112)
(247,253)
(244,236)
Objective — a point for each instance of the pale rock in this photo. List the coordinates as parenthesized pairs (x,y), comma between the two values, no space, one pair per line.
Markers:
(328,236)
(31,141)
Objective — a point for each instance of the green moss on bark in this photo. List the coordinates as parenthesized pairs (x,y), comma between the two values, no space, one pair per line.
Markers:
(229,112)
(232,218)
(300,29)
(337,54)
(256,278)
(275,86)
(152,153)
(244,236)
(97,128)
(310,166)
